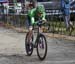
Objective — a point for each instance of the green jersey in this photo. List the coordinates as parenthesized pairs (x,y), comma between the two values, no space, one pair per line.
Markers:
(33,15)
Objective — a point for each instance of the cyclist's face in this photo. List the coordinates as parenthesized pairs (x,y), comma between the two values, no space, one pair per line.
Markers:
(39,14)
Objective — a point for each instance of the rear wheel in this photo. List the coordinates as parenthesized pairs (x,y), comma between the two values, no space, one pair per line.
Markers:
(41,47)
(29,45)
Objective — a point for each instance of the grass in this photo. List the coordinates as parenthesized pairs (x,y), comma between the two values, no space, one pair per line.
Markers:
(59,27)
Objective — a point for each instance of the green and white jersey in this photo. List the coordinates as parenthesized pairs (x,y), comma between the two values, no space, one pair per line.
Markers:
(33,15)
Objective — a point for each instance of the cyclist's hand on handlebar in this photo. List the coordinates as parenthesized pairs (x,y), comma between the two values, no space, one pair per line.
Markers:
(40,22)
(44,21)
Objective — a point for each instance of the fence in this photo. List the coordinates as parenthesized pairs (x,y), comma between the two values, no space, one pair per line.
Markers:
(54,17)
(57,24)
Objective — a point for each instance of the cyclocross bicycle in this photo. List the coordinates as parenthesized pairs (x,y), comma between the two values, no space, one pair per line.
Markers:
(40,43)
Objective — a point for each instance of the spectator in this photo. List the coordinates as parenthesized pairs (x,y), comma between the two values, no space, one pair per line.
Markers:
(62,5)
(65,8)
(2,8)
(2,12)
(32,4)
(23,8)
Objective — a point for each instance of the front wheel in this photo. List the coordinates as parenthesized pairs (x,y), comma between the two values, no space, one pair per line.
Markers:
(29,44)
(41,47)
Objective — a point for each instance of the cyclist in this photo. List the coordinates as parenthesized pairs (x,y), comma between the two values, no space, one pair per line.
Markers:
(34,15)
(65,8)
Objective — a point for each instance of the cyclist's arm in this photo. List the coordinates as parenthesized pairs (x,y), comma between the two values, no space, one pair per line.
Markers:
(33,21)
(31,15)
(43,16)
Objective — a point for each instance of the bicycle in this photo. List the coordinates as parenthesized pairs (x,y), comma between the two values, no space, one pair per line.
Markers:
(40,43)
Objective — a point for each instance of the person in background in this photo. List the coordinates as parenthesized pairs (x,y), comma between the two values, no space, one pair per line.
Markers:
(2,8)
(65,8)
(2,12)
(32,4)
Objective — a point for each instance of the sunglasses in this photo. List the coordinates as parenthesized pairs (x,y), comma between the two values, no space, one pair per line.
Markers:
(40,13)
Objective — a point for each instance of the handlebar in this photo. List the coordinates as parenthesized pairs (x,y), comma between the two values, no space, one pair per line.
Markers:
(39,23)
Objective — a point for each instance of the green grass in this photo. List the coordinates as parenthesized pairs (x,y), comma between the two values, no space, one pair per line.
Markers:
(59,27)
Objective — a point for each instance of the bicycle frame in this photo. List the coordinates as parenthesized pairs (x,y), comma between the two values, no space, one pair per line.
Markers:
(38,32)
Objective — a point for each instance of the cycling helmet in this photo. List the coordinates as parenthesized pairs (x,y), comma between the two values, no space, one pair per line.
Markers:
(40,9)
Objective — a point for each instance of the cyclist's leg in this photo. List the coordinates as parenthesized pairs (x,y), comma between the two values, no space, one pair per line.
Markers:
(40,29)
(30,31)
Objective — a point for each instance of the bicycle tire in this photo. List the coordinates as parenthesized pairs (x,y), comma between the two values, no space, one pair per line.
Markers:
(38,54)
(29,53)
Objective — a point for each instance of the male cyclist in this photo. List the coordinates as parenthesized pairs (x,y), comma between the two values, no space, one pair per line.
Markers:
(34,15)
